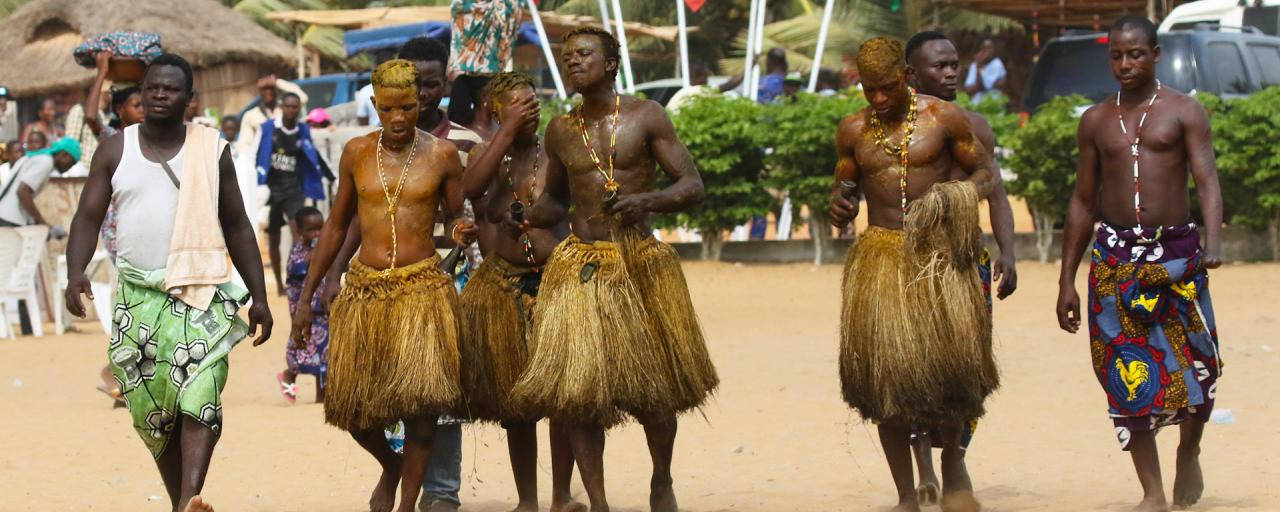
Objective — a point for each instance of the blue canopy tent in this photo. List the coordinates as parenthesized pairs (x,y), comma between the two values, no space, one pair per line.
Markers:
(391,38)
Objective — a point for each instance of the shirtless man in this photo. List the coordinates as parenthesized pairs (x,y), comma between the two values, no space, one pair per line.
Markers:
(615,328)
(1157,360)
(899,364)
(498,301)
(933,65)
(394,333)
(168,349)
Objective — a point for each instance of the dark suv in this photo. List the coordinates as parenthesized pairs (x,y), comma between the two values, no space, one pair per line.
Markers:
(1228,64)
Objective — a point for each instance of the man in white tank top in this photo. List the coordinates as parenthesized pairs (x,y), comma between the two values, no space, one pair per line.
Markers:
(169,357)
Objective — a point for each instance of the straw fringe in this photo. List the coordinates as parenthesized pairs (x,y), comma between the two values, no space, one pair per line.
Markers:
(655,267)
(494,346)
(596,356)
(393,347)
(916,337)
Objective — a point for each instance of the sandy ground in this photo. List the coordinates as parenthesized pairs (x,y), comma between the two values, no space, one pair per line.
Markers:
(777,437)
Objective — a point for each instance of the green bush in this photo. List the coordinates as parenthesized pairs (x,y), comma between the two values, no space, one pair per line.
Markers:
(1044,155)
(1244,138)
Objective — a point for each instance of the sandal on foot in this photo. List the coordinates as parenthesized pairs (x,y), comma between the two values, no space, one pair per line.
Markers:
(289,390)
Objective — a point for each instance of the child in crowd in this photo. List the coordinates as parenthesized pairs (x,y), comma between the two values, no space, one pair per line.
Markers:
(311,357)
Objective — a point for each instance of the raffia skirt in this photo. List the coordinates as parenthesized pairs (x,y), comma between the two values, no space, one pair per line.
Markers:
(393,349)
(497,315)
(600,355)
(915,335)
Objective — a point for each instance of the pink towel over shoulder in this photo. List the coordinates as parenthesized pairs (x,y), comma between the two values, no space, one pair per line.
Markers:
(198,259)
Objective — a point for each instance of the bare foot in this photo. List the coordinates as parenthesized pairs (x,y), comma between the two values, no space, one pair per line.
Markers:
(960,501)
(526,507)
(1188,485)
(569,506)
(197,504)
(662,499)
(927,493)
(1152,505)
(907,505)
(384,495)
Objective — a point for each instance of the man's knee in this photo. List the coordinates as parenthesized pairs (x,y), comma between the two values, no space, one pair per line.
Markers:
(420,430)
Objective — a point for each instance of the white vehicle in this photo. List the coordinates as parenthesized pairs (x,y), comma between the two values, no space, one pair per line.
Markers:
(1225,15)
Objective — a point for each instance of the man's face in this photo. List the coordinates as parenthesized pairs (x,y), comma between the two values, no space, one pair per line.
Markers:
(512,96)
(290,108)
(431,84)
(230,129)
(886,94)
(585,62)
(935,66)
(397,109)
(13,151)
(698,77)
(63,161)
(1133,59)
(268,94)
(164,94)
(790,88)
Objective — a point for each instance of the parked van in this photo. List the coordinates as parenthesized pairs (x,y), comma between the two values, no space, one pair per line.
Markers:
(1226,63)
(1226,15)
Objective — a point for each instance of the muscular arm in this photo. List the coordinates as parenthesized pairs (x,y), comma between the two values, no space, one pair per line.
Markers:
(553,203)
(1080,216)
(843,208)
(1199,140)
(967,151)
(686,187)
(451,165)
(237,230)
(334,232)
(999,209)
(482,165)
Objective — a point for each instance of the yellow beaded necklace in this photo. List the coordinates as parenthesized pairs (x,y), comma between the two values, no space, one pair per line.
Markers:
(898,151)
(393,200)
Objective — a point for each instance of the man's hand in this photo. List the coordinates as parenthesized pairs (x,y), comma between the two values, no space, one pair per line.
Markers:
(518,115)
(984,56)
(465,232)
(1006,273)
(301,328)
(103,59)
(843,211)
(76,286)
(1068,308)
(57,232)
(330,291)
(515,227)
(1212,258)
(630,209)
(259,317)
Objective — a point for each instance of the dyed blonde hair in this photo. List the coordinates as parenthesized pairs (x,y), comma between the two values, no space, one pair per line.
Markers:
(881,57)
(396,74)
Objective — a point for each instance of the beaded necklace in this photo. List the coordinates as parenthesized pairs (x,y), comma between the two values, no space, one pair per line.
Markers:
(1133,147)
(393,200)
(898,151)
(610,185)
(525,243)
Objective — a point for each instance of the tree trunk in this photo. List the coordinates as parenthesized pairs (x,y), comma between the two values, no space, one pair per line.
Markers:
(820,233)
(712,243)
(1044,235)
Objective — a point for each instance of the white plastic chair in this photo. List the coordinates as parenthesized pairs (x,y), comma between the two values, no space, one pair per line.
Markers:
(102,291)
(21,250)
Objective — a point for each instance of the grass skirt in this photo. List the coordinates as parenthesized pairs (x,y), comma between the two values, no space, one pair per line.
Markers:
(915,334)
(655,266)
(597,357)
(496,321)
(393,349)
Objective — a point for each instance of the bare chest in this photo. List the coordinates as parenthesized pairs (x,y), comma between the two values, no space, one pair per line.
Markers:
(1120,139)
(882,157)
(596,148)
(393,181)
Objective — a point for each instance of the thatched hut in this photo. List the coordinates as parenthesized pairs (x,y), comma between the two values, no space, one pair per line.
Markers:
(228,50)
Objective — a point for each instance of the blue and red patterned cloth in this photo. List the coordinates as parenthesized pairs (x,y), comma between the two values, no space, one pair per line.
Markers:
(144,46)
(313,358)
(1152,334)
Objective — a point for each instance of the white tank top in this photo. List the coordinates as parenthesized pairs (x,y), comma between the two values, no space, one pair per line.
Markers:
(146,203)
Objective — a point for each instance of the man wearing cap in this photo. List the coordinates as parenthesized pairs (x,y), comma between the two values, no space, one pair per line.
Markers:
(18,197)
(251,122)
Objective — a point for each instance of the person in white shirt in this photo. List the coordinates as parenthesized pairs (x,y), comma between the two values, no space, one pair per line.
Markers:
(986,73)
(12,154)
(17,198)
(365,115)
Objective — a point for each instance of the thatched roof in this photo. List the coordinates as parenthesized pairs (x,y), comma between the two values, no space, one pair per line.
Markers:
(41,35)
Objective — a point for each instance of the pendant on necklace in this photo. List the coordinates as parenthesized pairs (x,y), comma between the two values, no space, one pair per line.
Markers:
(1133,149)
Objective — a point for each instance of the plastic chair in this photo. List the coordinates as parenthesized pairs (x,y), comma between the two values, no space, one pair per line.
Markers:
(21,250)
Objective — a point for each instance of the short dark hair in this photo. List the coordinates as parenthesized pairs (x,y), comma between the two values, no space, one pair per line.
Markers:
(288,95)
(612,50)
(1137,22)
(233,118)
(699,67)
(425,49)
(175,60)
(307,211)
(917,41)
(119,97)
